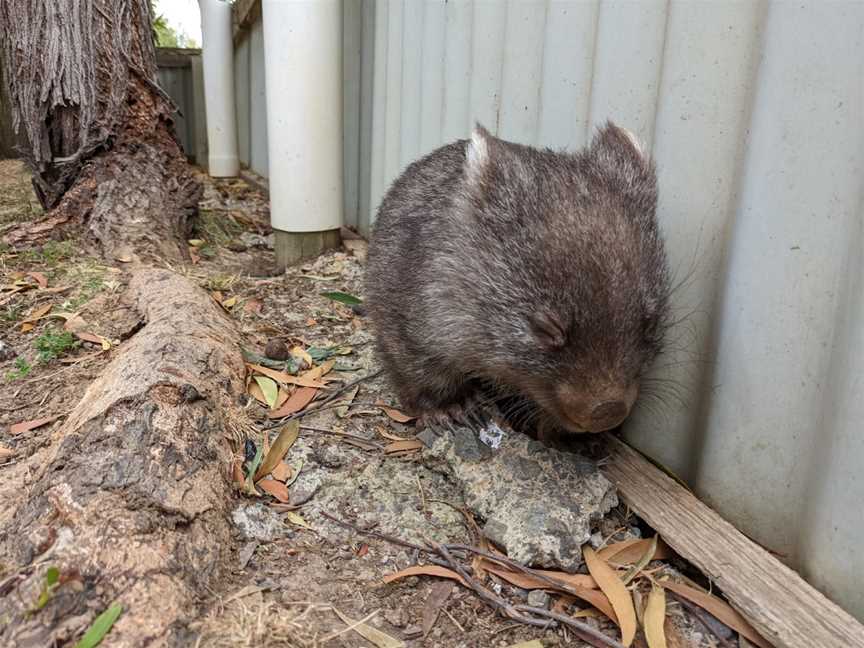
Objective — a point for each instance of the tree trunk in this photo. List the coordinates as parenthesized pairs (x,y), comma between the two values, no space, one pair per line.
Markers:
(131,499)
(96,129)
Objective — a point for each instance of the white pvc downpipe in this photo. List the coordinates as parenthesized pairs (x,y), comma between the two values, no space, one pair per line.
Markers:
(303,72)
(218,60)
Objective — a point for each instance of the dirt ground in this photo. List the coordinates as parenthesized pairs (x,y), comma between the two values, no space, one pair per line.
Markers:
(298,579)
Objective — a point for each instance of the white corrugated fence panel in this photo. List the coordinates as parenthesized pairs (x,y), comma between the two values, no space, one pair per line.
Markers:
(754,111)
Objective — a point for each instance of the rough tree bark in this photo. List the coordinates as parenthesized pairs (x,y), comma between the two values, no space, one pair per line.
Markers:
(133,492)
(96,129)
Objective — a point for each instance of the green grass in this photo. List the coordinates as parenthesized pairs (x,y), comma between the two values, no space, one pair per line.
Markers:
(53,343)
(50,254)
(22,370)
(12,313)
(216,228)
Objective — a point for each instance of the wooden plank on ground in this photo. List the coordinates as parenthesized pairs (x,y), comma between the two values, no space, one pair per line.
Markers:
(786,610)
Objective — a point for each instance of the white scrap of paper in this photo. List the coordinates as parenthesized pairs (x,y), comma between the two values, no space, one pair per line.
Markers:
(492,435)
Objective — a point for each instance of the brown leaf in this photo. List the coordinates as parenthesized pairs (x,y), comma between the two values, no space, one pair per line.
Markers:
(655,616)
(254,390)
(276,488)
(95,339)
(26,426)
(315,373)
(282,397)
(373,635)
(623,553)
(217,295)
(434,602)
(37,313)
(237,473)
(387,435)
(718,608)
(6,453)
(194,256)
(394,413)
(253,306)
(296,402)
(26,327)
(282,472)
(424,570)
(363,550)
(40,278)
(301,354)
(286,378)
(400,446)
(593,596)
(287,436)
(615,591)
(74,322)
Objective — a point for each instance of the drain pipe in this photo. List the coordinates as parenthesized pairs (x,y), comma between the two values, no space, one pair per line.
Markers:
(303,72)
(218,61)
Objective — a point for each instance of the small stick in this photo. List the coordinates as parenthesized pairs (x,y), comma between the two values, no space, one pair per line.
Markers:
(376,534)
(699,614)
(422,495)
(585,632)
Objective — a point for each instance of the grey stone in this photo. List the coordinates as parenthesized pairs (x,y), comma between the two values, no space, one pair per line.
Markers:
(538,599)
(258,522)
(6,351)
(539,503)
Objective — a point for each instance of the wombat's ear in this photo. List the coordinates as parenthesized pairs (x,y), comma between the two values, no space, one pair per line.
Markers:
(478,154)
(620,141)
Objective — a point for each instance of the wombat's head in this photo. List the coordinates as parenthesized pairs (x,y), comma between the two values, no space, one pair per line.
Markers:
(582,278)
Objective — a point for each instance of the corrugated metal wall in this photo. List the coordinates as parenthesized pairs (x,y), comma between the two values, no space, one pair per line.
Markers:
(179,74)
(249,88)
(754,112)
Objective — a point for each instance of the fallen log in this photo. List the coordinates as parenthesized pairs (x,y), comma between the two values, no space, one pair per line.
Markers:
(785,610)
(130,502)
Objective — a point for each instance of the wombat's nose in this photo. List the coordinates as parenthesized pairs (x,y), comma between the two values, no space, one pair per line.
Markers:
(608,414)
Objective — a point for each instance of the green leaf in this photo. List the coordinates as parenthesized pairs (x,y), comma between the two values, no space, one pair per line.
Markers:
(52,576)
(101,626)
(269,388)
(344,298)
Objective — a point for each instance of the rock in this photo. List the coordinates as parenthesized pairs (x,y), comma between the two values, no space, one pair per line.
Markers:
(253,240)
(277,350)
(398,618)
(258,522)
(538,599)
(539,503)
(6,351)
(237,246)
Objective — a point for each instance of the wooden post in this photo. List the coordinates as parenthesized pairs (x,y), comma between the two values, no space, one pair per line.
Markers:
(292,247)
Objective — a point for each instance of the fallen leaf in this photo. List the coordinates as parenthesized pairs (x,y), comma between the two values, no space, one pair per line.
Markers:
(252,306)
(276,488)
(380,639)
(363,550)
(315,373)
(432,606)
(6,453)
(527,581)
(343,298)
(26,426)
(301,354)
(217,295)
(627,552)
(718,608)
(101,626)
(37,313)
(74,322)
(255,392)
(615,591)
(283,396)
(286,378)
(296,518)
(394,413)
(237,473)
(655,616)
(593,596)
(400,446)
(269,389)
(26,327)
(282,472)
(196,242)
(640,564)
(95,339)
(229,303)
(295,473)
(388,435)
(424,570)
(40,278)
(287,436)
(297,401)
(345,402)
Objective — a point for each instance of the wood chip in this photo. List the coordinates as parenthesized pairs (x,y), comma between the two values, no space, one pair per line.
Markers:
(26,426)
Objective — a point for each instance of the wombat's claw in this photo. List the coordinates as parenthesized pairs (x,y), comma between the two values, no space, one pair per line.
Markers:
(446,418)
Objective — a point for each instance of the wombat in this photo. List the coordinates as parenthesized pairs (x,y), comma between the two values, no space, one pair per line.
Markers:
(540,273)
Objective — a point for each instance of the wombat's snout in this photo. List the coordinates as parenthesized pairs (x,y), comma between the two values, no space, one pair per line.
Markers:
(598,410)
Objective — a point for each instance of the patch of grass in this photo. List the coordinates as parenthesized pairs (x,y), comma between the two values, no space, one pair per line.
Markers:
(12,313)
(53,344)
(18,202)
(22,370)
(216,227)
(51,253)
(221,282)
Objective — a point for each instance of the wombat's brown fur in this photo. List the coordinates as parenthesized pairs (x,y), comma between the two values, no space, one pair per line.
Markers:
(541,272)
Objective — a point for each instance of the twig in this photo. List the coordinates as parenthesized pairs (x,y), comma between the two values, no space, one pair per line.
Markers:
(699,614)
(584,631)
(376,534)
(455,622)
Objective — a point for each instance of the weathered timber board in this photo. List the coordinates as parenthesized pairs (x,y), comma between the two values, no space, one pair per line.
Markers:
(776,600)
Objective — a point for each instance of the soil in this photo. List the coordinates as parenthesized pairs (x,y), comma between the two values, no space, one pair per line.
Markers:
(287,573)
